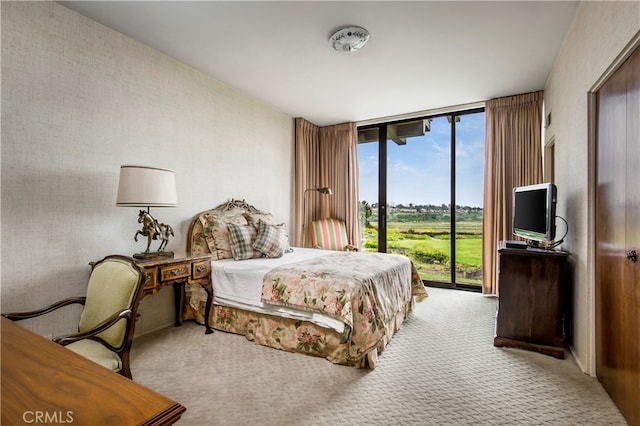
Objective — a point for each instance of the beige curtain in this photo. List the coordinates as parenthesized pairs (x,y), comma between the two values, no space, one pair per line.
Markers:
(513,157)
(326,156)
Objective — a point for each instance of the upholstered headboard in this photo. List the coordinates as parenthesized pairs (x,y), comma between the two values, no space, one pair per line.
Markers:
(208,231)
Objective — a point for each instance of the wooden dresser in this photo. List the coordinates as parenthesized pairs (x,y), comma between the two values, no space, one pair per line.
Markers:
(533,310)
(43,382)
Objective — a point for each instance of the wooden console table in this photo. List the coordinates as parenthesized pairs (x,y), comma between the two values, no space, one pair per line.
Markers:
(533,300)
(178,271)
(43,382)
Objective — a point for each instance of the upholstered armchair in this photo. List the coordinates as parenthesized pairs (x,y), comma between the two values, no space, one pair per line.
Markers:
(330,234)
(107,322)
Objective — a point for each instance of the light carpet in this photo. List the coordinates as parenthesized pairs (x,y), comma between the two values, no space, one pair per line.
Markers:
(440,369)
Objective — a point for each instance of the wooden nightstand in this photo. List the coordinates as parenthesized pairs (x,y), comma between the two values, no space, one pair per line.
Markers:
(178,271)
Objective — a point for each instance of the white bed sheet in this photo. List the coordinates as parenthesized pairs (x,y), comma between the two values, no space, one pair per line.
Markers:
(239,284)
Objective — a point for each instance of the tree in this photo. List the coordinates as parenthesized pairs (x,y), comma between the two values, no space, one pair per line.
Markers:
(366,212)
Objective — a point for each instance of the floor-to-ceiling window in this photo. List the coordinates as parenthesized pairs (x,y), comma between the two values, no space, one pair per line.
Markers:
(421,189)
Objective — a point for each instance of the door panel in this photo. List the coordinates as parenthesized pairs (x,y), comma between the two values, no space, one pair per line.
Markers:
(632,270)
(469,184)
(422,160)
(617,228)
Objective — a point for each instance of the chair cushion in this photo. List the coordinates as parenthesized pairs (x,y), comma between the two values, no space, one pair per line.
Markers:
(329,234)
(97,353)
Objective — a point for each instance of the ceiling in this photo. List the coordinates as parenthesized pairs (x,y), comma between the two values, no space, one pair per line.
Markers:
(422,55)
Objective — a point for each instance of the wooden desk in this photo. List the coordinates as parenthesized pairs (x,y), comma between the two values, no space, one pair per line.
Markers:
(43,381)
(178,271)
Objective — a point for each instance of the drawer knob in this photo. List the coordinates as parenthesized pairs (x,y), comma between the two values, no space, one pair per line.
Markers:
(201,269)
(175,271)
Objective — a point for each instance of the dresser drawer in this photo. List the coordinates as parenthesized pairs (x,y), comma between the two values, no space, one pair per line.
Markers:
(201,269)
(152,278)
(173,272)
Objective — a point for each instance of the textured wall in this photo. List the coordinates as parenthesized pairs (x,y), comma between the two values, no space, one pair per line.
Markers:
(79,100)
(599,33)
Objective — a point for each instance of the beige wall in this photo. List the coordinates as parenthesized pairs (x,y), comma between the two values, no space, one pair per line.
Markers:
(79,100)
(598,35)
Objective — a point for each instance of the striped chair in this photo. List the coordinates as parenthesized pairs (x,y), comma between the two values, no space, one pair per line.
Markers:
(330,234)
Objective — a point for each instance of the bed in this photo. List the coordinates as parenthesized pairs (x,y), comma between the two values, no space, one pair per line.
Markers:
(342,306)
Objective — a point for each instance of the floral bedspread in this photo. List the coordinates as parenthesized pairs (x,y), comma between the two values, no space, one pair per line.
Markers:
(363,289)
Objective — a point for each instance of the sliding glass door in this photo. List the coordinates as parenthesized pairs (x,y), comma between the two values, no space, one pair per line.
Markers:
(409,181)
(468,195)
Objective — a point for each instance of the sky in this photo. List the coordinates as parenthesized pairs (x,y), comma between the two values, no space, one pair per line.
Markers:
(419,172)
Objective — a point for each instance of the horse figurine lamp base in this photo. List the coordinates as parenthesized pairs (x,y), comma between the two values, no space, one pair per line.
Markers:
(154,255)
(153,231)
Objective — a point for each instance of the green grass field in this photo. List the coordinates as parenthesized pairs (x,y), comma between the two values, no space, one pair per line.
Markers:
(428,244)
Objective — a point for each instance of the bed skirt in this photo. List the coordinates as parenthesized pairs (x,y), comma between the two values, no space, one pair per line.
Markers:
(294,335)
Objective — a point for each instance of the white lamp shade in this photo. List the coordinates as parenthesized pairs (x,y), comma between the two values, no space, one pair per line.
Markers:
(144,186)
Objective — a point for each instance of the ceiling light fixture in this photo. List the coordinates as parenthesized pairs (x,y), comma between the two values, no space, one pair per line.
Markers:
(349,38)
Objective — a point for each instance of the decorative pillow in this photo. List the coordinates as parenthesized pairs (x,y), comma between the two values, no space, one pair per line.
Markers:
(198,241)
(215,231)
(241,238)
(283,228)
(255,218)
(270,241)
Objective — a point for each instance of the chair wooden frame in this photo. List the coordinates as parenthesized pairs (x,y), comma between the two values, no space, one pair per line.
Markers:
(129,315)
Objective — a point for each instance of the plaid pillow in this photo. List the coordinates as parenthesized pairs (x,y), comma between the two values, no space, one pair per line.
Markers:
(270,241)
(241,238)
(216,235)
(255,219)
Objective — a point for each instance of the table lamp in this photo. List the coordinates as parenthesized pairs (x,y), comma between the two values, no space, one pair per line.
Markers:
(145,186)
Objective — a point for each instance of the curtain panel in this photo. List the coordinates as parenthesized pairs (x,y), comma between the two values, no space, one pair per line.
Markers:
(307,175)
(513,157)
(326,156)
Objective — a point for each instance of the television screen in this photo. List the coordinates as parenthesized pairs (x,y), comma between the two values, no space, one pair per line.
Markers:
(534,212)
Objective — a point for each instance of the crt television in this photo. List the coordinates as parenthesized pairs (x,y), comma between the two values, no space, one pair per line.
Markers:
(534,212)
